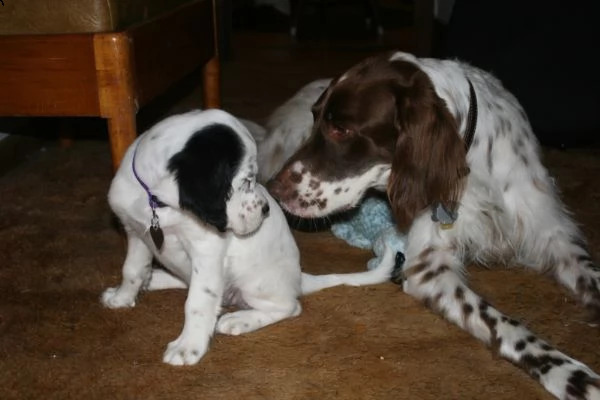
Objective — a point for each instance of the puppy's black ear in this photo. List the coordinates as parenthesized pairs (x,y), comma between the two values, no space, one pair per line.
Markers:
(204,169)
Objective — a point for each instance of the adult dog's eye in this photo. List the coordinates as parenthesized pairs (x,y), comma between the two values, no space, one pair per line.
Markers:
(337,131)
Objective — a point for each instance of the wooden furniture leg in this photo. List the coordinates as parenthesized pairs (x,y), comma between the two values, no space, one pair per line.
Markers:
(211,83)
(116,91)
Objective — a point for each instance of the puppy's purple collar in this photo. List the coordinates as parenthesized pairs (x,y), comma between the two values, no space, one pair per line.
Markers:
(156,232)
(153,201)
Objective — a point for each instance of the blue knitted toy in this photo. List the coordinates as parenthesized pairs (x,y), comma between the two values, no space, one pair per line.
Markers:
(371,227)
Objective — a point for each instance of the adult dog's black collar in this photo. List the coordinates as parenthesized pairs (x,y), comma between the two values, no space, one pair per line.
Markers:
(471,117)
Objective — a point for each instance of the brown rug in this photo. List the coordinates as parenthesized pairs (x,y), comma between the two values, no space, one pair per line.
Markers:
(60,250)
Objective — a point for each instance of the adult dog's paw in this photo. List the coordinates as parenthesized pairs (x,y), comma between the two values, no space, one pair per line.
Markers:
(115,298)
(186,350)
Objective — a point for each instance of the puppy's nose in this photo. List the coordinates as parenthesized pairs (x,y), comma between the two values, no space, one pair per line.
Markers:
(266,209)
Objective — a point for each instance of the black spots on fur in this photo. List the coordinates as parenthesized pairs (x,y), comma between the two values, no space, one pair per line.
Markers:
(590,286)
(337,190)
(296,177)
(467,310)
(459,293)
(490,161)
(415,269)
(504,127)
(578,383)
(524,159)
(520,150)
(520,345)
(531,339)
(314,184)
(483,306)
(542,364)
(429,275)
(210,293)
(491,322)
(584,258)
(204,170)
(434,303)
(519,143)
(510,321)
(581,243)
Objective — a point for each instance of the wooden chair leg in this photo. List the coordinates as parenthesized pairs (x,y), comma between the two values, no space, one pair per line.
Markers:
(121,134)
(116,91)
(212,83)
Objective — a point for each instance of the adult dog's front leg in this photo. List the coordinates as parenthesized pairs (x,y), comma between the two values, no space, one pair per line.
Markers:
(136,270)
(202,307)
(434,276)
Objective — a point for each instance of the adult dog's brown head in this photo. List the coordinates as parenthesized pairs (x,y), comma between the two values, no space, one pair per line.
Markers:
(380,125)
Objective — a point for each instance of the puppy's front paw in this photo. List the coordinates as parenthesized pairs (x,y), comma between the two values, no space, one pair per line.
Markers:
(185,350)
(116,298)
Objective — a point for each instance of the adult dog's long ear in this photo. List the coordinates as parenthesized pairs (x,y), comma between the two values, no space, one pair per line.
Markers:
(204,170)
(429,160)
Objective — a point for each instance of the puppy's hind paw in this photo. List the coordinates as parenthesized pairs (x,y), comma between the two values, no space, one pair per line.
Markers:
(234,324)
(115,298)
(185,350)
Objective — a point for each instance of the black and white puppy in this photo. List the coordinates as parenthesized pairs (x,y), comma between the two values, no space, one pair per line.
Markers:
(186,194)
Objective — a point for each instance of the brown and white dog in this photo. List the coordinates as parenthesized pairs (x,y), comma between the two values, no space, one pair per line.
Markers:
(459,161)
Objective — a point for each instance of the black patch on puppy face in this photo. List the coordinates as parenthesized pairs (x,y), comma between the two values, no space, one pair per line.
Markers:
(204,169)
